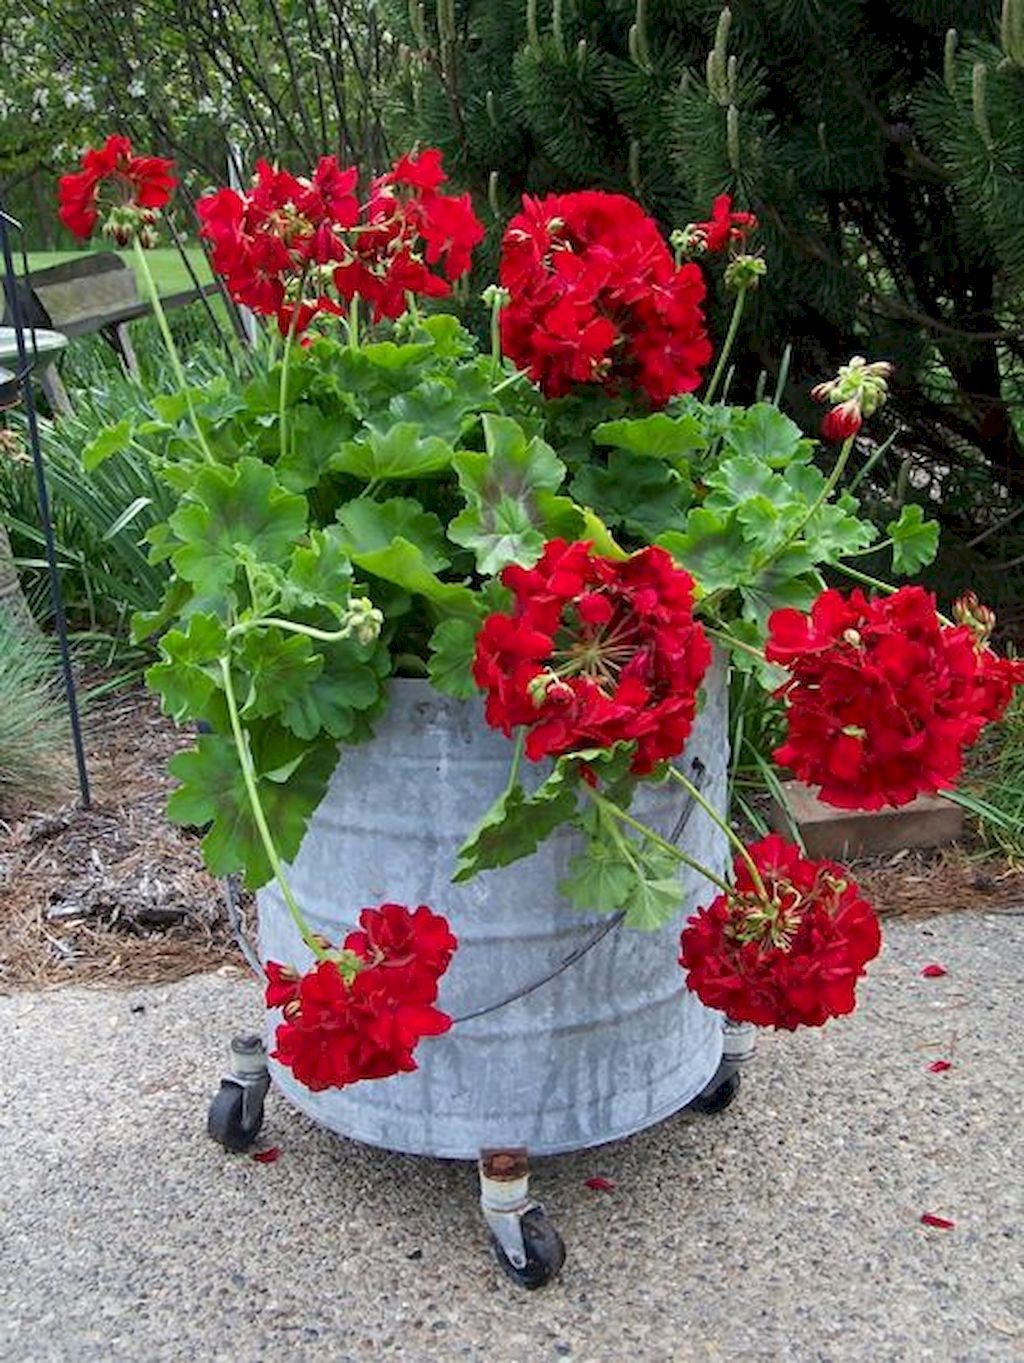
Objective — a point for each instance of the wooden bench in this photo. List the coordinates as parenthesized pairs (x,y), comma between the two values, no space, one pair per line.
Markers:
(93,294)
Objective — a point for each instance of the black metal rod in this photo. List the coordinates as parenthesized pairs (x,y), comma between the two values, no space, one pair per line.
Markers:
(43,499)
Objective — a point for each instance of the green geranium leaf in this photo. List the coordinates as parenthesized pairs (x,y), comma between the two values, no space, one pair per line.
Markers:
(111,440)
(516,824)
(404,564)
(834,531)
(189,674)
(212,791)
(764,433)
(452,648)
(314,444)
(600,880)
(145,624)
(344,692)
(642,495)
(660,436)
(232,509)
(368,525)
(713,547)
(616,872)
(280,665)
(741,478)
(504,522)
(915,540)
(401,451)
(320,574)
(439,408)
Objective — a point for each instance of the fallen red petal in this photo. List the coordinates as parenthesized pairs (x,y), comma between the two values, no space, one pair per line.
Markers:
(269,1156)
(938,1222)
(940,1066)
(934,971)
(600,1185)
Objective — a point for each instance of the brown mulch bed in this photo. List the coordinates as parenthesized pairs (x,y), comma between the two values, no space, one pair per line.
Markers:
(114,893)
(941,880)
(117,894)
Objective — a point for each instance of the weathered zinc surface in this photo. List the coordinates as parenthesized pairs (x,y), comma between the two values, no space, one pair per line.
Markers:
(609,1045)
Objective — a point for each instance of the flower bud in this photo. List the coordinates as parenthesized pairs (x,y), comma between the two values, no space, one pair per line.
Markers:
(546,687)
(745,272)
(363,619)
(979,619)
(842,422)
(857,391)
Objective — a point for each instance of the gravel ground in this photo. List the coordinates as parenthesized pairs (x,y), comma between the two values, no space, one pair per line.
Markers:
(787,1228)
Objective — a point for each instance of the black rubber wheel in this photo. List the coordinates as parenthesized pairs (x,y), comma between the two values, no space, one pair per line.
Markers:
(545,1252)
(224,1122)
(717,1096)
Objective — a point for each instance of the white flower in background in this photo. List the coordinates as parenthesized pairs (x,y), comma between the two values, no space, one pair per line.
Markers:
(137,88)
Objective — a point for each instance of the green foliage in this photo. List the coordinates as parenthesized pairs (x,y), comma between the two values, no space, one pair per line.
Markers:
(369,537)
(998,782)
(34,735)
(100,520)
(518,822)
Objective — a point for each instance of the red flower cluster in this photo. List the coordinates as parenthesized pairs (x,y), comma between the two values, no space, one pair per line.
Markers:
(141,186)
(882,698)
(724,227)
(339,1026)
(595,297)
(595,652)
(307,243)
(789,958)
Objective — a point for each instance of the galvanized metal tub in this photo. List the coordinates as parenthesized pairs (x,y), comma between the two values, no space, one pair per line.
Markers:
(609,1044)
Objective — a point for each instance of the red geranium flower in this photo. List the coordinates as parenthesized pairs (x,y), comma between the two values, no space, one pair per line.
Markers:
(724,227)
(882,698)
(595,297)
(789,957)
(285,244)
(360,1015)
(595,652)
(412,950)
(140,185)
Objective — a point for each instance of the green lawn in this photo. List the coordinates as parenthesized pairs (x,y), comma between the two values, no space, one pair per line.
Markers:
(168,268)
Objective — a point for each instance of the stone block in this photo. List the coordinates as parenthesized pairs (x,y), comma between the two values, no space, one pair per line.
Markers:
(929,821)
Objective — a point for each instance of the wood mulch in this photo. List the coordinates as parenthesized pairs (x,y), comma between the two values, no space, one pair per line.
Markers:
(117,894)
(113,893)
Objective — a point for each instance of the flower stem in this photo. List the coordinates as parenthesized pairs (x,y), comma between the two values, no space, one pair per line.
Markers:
(289,341)
(730,641)
(719,822)
(353,323)
(255,804)
(517,757)
(866,578)
(730,338)
(326,636)
(171,348)
(623,816)
(517,377)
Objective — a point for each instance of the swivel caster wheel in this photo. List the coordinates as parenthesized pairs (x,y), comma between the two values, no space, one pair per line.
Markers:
(236,1112)
(525,1243)
(543,1247)
(718,1095)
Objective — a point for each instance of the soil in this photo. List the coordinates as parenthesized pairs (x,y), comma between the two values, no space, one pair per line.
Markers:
(117,894)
